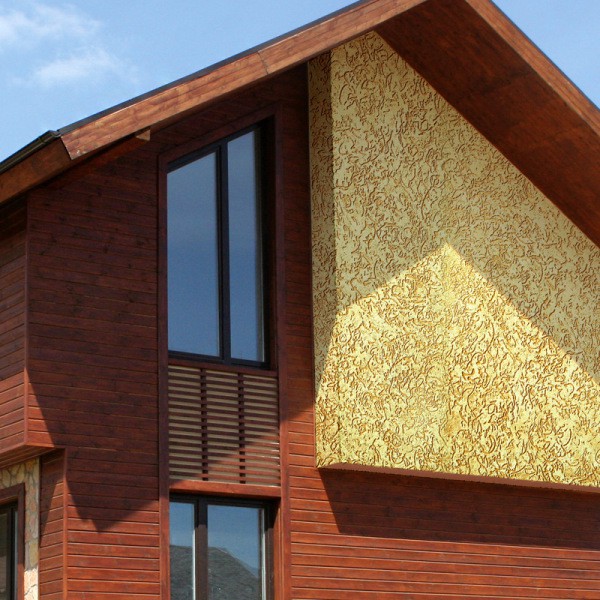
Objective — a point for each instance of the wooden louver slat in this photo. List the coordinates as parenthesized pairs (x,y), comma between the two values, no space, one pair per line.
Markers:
(223,426)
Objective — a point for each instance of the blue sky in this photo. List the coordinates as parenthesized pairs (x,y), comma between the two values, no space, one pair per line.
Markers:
(62,61)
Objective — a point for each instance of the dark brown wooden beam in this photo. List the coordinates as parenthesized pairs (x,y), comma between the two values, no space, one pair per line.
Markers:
(53,160)
(35,169)
(83,168)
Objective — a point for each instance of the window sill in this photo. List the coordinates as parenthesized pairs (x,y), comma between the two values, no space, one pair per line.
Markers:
(224,489)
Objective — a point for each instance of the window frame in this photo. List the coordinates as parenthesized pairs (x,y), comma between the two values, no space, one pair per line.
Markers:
(12,500)
(265,185)
(200,504)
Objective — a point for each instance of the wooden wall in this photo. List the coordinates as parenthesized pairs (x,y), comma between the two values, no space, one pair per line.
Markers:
(375,536)
(52,551)
(93,367)
(285,99)
(12,320)
(93,359)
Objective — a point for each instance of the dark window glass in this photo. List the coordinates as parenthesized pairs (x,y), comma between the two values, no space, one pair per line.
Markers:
(245,250)
(8,552)
(194,313)
(215,254)
(235,552)
(182,550)
(228,552)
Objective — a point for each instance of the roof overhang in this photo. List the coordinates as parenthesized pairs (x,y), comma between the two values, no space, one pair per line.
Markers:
(467,50)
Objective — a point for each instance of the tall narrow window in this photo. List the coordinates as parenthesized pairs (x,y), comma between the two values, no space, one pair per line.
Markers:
(215,252)
(219,549)
(8,552)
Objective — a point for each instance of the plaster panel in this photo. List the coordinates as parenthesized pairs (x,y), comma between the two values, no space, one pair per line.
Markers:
(457,311)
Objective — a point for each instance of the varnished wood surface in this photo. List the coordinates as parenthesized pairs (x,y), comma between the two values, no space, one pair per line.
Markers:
(52,544)
(223,425)
(210,488)
(36,168)
(281,100)
(93,360)
(92,365)
(12,324)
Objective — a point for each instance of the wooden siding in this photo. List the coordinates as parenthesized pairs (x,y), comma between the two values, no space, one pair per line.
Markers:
(92,365)
(93,355)
(373,535)
(284,99)
(52,550)
(12,323)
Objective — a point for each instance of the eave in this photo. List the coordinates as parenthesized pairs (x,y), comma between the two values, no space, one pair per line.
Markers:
(467,49)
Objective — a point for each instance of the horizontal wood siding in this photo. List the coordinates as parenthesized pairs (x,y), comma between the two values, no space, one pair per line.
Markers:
(369,535)
(12,324)
(93,371)
(52,553)
(93,353)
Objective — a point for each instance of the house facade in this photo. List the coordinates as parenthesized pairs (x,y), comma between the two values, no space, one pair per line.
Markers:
(322,321)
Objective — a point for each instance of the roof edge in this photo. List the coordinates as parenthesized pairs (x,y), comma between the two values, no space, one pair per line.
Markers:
(206,70)
(534,56)
(31,148)
(231,75)
(513,67)
(51,135)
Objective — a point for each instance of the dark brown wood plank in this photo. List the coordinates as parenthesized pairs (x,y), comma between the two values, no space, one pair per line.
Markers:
(52,548)
(93,369)
(40,166)
(12,324)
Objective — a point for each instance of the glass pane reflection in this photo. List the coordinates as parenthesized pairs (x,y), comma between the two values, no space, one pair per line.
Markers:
(193,258)
(245,255)
(182,551)
(235,552)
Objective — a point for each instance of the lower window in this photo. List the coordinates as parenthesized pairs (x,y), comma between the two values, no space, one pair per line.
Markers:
(8,552)
(220,549)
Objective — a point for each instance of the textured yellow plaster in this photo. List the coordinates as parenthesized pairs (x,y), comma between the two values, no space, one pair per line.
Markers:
(29,474)
(457,311)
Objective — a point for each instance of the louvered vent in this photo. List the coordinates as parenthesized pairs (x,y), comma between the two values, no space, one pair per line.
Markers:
(223,425)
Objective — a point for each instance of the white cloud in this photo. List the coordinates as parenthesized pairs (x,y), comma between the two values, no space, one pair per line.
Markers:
(91,65)
(53,43)
(40,22)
